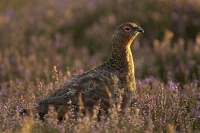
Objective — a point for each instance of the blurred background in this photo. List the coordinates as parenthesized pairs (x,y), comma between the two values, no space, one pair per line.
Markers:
(74,36)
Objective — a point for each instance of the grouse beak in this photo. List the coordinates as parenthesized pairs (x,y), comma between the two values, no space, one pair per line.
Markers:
(139,29)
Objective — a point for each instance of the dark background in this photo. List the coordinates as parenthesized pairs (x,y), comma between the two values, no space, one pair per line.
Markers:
(75,36)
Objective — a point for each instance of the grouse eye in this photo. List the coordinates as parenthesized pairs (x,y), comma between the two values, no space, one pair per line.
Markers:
(127,29)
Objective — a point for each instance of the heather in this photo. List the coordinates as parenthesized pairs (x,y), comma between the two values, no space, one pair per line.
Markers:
(43,44)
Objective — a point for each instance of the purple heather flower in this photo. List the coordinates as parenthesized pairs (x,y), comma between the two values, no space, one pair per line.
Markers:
(57,44)
(20,68)
(197,115)
(174,16)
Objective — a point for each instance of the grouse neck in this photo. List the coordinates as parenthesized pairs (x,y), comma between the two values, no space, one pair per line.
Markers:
(121,58)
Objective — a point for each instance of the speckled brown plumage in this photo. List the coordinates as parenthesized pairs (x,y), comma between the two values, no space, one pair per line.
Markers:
(104,82)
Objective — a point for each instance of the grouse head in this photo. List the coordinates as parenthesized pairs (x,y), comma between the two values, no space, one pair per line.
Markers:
(125,33)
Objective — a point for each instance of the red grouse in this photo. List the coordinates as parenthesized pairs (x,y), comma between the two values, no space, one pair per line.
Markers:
(103,83)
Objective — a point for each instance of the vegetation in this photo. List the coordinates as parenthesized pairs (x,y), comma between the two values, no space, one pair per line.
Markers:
(45,43)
